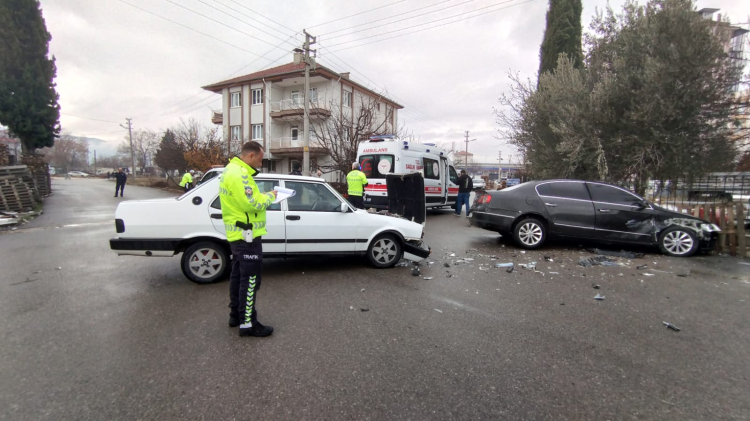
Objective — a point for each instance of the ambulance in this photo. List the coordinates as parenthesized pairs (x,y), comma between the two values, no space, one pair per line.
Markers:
(381,155)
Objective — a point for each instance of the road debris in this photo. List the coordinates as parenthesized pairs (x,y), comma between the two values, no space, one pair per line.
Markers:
(599,297)
(548,259)
(623,253)
(439,311)
(671,326)
(427,278)
(362,290)
(648,274)
(446,264)
(452,255)
(554,273)
(415,271)
(364,309)
(684,275)
(594,261)
(531,265)
(59,268)
(402,264)
(504,265)
(596,286)
(523,252)
(351,308)
(510,269)
(641,267)
(468,259)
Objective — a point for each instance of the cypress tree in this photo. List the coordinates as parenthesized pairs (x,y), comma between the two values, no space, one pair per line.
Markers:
(562,35)
(28,98)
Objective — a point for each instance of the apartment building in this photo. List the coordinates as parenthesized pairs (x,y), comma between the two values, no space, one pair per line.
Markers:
(732,37)
(268,107)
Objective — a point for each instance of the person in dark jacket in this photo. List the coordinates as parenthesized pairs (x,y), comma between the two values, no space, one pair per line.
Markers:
(120,179)
(465,186)
(296,169)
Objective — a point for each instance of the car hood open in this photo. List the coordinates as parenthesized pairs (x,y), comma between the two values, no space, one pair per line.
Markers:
(406,196)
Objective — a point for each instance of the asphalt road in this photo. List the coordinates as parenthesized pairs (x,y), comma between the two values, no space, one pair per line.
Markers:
(89,335)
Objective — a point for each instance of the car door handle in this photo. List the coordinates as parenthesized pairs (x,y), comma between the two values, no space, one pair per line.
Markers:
(552,205)
(293,217)
(215,216)
(604,210)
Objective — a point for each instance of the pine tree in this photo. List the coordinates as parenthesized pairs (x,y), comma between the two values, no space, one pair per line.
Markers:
(28,98)
(171,155)
(562,35)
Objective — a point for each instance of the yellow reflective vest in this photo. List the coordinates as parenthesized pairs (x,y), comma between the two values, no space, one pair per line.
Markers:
(187,178)
(356,181)
(242,201)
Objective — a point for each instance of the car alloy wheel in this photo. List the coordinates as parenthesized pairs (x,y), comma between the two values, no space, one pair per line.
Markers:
(205,262)
(384,251)
(530,233)
(678,242)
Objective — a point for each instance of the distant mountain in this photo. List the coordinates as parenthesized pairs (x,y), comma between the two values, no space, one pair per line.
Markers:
(102,147)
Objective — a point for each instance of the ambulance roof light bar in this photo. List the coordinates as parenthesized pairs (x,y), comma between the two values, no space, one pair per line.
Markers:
(381,138)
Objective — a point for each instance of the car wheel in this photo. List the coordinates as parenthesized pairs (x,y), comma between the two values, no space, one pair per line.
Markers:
(530,233)
(205,262)
(678,241)
(384,251)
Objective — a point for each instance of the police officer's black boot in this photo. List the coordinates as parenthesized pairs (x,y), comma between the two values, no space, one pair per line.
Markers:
(258,330)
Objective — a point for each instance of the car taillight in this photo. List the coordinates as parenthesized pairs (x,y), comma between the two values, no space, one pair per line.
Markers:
(485,199)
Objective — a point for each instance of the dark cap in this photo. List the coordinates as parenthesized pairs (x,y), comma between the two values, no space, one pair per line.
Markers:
(463,171)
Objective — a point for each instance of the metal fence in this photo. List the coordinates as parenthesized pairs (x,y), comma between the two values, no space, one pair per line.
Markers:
(733,187)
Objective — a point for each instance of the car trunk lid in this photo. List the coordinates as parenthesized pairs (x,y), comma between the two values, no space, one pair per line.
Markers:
(406,196)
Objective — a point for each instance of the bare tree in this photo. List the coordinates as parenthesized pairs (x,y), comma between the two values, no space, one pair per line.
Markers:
(68,152)
(145,144)
(340,134)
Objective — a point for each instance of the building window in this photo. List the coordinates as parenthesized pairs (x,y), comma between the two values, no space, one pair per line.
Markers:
(257,132)
(257,96)
(313,95)
(236,132)
(378,106)
(236,99)
(296,100)
(295,133)
(347,99)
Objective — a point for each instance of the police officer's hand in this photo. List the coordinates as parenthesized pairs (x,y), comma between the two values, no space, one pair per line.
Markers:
(273,192)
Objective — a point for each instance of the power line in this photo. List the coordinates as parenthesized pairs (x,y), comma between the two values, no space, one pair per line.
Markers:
(187,27)
(264,17)
(397,21)
(410,110)
(221,23)
(89,118)
(432,27)
(356,14)
(230,75)
(249,17)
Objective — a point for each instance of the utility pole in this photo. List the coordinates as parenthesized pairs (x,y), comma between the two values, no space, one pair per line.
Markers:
(130,135)
(309,62)
(466,151)
(499,165)
(95,162)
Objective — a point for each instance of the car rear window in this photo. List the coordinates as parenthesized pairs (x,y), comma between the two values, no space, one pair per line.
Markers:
(376,166)
(564,189)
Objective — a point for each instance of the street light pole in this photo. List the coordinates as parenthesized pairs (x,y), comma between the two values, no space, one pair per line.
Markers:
(466,151)
(130,135)
(306,98)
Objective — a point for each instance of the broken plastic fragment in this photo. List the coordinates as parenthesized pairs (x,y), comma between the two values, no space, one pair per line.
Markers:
(648,274)
(596,286)
(468,259)
(510,269)
(504,265)
(439,311)
(415,271)
(364,309)
(599,297)
(641,267)
(446,264)
(671,326)
(427,278)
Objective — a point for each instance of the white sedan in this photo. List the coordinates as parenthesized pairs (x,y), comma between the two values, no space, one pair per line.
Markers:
(478,183)
(315,221)
(78,174)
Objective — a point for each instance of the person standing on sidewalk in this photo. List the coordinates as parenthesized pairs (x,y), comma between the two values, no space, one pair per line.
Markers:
(465,185)
(243,209)
(120,179)
(356,180)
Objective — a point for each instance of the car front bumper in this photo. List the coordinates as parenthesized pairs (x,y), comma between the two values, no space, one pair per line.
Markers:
(416,250)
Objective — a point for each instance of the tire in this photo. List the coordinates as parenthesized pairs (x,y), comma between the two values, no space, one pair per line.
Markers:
(385,251)
(530,233)
(210,262)
(678,242)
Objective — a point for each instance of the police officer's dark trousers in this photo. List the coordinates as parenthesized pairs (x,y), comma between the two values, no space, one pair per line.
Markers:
(357,201)
(119,187)
(244,282)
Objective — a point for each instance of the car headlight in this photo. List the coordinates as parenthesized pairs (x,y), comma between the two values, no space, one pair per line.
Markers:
(710,228)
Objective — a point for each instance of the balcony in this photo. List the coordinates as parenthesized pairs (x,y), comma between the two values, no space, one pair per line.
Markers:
(294,109)
(292,146)
(217,117)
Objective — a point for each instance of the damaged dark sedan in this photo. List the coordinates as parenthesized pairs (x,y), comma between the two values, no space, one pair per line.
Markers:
(534,211)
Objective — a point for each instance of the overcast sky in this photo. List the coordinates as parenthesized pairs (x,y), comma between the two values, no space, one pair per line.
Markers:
(118,60)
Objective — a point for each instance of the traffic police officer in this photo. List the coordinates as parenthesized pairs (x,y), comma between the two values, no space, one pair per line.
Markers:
(356,181)
(243,209)
(187,180)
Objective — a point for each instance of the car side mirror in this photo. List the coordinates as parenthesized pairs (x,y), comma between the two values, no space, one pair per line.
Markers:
(642,204)
(344,207)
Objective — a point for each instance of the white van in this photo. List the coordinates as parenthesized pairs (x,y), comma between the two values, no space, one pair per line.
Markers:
(381,155)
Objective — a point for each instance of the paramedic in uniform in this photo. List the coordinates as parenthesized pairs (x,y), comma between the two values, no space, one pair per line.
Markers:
(356,182)
(243,209)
